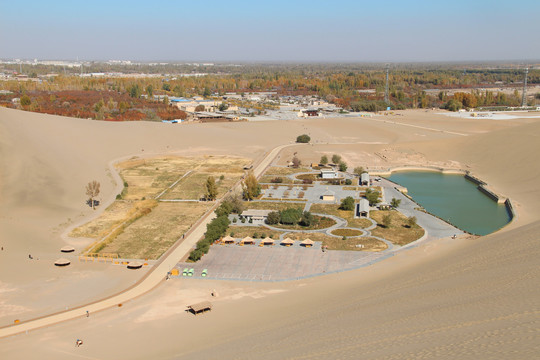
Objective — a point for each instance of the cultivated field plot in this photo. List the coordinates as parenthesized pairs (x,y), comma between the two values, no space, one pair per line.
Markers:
(116,214)
(333,209)
(398,232)
(226,172)
(149,177)
(151,235)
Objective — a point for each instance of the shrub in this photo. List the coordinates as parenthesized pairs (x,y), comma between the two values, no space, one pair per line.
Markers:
(347,204)
(303,139)
(273,218)
(263,235)
(255,235)
(290,216)
(348,182)
(307,181)
(243,220)
(307,219)
(234,220)
(277,180)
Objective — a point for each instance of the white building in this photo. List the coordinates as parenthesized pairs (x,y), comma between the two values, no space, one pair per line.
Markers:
(329,174)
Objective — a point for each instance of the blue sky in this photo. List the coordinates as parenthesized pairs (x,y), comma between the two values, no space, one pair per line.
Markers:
(271,31)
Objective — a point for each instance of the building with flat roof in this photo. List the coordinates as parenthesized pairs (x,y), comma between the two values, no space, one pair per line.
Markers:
(362,208)
(329,174)
(364,179)
(255,215)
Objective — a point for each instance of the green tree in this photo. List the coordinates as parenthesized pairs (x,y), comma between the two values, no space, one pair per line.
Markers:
(92,190)
(223,106)
(307,219)
(211,188)
(336,159)
(387,220)
(135,91)
(395,203)
(342,166)
(411,221)
(166,87)
(372,196)
(207,92)
(303,139)
(347,204)
(25,100)
(150,91)
(290,216)
(358,170)
(251,187)
(273,218)
(324,160)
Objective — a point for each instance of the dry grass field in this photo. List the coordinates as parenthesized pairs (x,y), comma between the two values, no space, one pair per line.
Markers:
(332,209)
(267,205)
(334,243)
(346,232)
(398,233)
(151,235)
(283,171)
(114,215)
(255,232)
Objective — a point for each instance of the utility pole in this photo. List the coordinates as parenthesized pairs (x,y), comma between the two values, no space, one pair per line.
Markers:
(386,97)
(524,95)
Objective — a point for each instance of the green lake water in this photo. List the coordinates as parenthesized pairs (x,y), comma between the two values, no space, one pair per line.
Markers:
(455,199)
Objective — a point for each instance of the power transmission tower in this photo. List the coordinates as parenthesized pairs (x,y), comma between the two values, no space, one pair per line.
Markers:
(524,95)
(386,97)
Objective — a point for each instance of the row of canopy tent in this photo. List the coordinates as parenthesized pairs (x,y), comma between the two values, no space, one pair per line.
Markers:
(266,241)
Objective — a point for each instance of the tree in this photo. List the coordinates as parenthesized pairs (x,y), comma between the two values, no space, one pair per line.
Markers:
(223,106)
(166,87)
(336,159)
(303,139)
(135,91)
(342,166)
(206,92)
(211,188)
(395,203)
(347,204)
(92,190)
(359,170)
(290,216)
(372,196)
(25,100)
(411,221)
(307,219)
(296,162)
(199,108)
(150,91)
(387,220)
(251,187)
(273,218)
(324,160)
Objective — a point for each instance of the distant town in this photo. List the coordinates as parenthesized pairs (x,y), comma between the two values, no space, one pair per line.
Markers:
(120,90)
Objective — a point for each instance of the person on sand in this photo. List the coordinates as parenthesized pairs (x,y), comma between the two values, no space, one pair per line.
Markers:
(30,257)
(78,343)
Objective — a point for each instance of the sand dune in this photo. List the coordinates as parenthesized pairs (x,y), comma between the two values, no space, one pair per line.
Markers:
(446,299)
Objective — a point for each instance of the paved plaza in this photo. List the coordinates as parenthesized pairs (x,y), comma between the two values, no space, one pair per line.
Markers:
(277,263)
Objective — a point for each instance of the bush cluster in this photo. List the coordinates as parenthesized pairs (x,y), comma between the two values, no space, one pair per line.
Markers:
(214,230)
(291,216)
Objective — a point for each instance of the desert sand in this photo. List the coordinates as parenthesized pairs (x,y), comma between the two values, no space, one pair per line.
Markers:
(464,298)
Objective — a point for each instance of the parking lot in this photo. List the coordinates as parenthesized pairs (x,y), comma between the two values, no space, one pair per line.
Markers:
(276,263)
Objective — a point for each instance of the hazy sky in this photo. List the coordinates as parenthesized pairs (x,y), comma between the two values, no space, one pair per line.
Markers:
(270,31)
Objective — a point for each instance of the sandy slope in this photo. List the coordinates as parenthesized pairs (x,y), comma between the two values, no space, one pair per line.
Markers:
(464,299)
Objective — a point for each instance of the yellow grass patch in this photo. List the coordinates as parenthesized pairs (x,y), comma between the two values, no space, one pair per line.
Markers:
(276,170)
(398,233)
(151,235)
(333,209)
(334,243)
(252,231)
(116,214)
